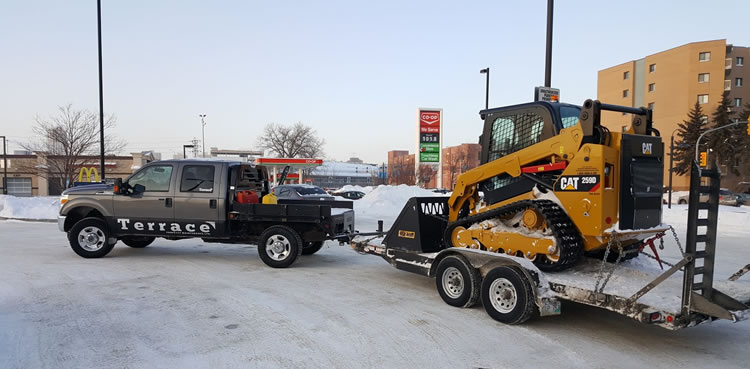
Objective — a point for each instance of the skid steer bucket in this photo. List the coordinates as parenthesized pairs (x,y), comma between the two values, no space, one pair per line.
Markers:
(420,226)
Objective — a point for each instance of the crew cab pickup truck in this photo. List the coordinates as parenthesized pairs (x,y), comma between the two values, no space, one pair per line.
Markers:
(218,201)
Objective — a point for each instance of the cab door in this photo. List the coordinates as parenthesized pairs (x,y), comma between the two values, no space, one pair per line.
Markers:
(151,211)
(199,199)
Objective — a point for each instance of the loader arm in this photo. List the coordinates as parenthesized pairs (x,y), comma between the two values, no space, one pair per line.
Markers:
(562,147)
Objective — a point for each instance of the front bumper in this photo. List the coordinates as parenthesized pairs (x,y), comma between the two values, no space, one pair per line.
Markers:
(61,223)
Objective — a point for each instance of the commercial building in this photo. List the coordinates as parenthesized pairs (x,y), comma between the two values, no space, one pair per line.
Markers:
(33,174)
(456,160)
(333,174)
(670,82)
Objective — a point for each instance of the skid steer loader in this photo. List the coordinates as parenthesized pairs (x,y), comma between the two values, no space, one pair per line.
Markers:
(555,182)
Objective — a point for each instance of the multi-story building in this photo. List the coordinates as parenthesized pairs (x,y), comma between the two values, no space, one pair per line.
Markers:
(456,160)
(670,82)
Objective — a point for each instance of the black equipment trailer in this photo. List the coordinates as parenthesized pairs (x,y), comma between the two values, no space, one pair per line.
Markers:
(513,289)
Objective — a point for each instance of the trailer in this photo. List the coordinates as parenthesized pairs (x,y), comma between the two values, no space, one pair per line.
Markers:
(512,289)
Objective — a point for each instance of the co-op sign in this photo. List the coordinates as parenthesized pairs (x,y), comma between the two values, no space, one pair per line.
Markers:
(430,123)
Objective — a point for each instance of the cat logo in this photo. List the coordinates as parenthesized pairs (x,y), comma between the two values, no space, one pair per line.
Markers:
(647,148)
(406,234)
(569,183)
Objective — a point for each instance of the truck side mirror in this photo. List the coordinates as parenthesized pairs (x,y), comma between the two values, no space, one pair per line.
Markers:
(139,188)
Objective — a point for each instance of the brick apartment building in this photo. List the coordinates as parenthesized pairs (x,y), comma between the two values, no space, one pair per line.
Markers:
(456,160)
(671,81)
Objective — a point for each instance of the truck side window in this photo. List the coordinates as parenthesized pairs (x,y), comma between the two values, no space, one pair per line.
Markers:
(155,178)
(197,178)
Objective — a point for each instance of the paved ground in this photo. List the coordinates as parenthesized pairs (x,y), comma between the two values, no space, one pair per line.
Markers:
(188,304)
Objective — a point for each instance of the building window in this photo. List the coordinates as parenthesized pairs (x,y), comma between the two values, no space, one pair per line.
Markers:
(737,102)
(738,82)
(740,61)
(703,77)
(652,68)
(704,56)
(651,106)
(625,93)
(702,99)
(626,75)
(2,163)
(651,87)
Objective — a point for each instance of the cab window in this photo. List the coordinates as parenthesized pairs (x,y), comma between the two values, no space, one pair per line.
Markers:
(197,178)
(155,178)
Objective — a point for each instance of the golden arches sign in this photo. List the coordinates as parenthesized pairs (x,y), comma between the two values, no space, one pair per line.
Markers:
(88,172)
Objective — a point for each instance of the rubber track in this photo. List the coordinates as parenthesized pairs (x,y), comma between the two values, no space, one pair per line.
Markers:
(566,235)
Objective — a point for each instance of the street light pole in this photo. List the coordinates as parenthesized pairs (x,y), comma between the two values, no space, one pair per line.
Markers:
(5,169)
(101,89)
(203,142)
(548,61)
(486,87)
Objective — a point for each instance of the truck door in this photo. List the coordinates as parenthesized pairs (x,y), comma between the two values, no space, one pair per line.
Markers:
(199,199)
(152,211)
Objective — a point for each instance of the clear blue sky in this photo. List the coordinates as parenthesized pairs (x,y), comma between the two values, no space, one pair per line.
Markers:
(356,71)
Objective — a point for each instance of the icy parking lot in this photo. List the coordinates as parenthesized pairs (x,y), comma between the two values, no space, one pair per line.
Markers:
(189,304)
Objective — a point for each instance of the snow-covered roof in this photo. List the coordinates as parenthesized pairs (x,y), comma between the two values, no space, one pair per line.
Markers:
(340,169)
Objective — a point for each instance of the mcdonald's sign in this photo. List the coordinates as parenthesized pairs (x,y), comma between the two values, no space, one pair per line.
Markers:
(91,174)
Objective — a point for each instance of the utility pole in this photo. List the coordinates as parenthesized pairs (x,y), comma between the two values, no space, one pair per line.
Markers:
(203,124)
(486,87)
(548,60)
(101,89)
(5,169)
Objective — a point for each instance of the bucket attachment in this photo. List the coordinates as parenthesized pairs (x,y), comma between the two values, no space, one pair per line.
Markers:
(420,226)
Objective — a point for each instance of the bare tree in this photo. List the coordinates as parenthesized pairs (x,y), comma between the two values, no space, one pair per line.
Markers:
(295,141)
(457,164)
(425,174)
(68,140)
(402,172)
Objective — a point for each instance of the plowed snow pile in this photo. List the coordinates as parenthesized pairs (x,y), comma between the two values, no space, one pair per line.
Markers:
(386,202)
(29,207)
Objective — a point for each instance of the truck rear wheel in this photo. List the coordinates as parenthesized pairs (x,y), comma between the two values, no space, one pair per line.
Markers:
(311,247)
(508,296)
(89,238)
(457,282)
(138,242)
(279,246)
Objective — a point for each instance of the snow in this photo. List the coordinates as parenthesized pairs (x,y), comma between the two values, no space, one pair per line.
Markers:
(37,208)
(385,202)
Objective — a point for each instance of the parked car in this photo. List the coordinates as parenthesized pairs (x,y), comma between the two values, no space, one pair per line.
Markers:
(726,197)
(744,198)
(351,195)
(301,192)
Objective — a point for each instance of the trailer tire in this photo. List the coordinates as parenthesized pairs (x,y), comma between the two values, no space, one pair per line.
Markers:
(89,238)
(508,296)
(457,282)
(138,242)
(311,247)
(279,246)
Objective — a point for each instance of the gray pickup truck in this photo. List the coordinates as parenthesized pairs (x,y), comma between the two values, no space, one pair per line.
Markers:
(218,201)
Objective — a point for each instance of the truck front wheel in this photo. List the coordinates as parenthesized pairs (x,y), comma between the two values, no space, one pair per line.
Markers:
(89,238)
(279,246)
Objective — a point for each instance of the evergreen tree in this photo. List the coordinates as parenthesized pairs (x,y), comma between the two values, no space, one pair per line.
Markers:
(688,133)
(728,144)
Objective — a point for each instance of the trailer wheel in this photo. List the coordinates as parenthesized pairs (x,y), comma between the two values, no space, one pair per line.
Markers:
(508,296)
(311,247)
(89,238)
(457,282)
(279,246)
(138,242)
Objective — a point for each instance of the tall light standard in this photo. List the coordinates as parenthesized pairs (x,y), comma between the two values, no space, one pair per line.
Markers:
(203,124)
(548,60)
(486,87)
(101,89)
(5,169)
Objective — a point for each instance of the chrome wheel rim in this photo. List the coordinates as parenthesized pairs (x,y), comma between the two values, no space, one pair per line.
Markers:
(453,282)
(278,247)
(503,295)
(91,238)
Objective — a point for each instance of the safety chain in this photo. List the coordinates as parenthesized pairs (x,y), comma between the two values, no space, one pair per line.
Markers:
(614,238)
(661,247)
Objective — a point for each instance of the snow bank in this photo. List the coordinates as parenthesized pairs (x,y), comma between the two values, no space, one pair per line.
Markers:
(387,201)
(29,207)
(366,190)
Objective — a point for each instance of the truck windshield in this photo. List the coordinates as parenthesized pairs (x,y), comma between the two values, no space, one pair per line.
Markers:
(569,115)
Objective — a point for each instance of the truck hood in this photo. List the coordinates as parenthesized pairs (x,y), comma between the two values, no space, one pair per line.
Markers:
(90,189)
